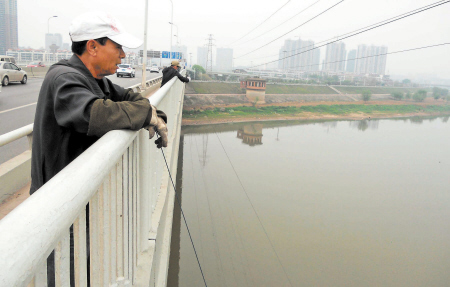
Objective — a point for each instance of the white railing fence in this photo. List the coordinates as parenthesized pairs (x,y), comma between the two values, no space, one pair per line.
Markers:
(124,179)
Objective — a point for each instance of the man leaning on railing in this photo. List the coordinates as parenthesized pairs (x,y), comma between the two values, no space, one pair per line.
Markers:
(77,104)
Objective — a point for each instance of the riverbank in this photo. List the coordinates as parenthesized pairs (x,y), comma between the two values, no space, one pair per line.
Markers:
(314,111)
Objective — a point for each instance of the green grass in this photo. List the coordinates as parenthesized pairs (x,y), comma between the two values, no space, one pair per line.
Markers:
(320,109)
(375,90)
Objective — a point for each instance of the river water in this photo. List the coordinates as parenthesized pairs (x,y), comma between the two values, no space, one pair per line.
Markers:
(330,203)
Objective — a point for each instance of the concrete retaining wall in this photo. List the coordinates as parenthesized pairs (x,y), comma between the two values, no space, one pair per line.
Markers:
(36,72)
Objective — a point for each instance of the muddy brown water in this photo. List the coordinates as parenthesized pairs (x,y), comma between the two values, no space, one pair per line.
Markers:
(336,203)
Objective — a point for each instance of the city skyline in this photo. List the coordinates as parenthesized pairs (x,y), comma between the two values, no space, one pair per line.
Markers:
(195,20)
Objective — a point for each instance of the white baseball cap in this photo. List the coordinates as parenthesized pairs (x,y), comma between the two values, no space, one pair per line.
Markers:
(94,25)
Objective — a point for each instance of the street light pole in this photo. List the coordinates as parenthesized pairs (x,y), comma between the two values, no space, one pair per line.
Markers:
(171,32)
(171,23)
(144,52)
(48,24)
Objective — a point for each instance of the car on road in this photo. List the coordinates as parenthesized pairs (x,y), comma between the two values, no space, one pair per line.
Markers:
(5,58)
(9,72)
(154,69)
(35,64)
(125,70)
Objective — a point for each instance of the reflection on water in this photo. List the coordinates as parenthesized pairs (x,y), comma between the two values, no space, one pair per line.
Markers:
(365,124)
(251,134)
(339,207)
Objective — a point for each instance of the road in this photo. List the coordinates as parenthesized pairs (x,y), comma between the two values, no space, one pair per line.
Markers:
(18,106)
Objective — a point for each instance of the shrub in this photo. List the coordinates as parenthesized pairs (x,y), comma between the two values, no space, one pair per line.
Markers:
(420,95)
(366,95)
(408,95)
(397,95)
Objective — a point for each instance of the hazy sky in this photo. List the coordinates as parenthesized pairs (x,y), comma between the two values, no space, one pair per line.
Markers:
(229,20)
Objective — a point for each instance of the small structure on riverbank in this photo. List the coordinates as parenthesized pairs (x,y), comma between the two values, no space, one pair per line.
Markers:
(256,89)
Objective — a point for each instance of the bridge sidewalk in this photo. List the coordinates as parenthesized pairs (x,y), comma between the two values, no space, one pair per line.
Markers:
(14,200)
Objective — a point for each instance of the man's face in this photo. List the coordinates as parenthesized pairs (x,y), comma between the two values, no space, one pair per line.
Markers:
(108,57)
(175,67)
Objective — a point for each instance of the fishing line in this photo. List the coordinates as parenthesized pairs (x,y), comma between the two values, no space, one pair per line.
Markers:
(184,218)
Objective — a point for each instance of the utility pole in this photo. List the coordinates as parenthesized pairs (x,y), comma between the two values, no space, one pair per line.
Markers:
(144,62)
(209,57)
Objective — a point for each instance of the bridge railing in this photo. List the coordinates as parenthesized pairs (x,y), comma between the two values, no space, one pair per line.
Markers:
(15,173)
(123,182)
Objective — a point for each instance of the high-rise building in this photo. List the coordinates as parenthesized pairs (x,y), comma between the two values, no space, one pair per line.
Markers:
(371,59)
(9,34)
(299,55)
(202,56)
(335,57)
(224,59)
(351,62)
(51,39)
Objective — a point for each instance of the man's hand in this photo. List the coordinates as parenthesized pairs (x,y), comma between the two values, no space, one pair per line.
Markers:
(158,124)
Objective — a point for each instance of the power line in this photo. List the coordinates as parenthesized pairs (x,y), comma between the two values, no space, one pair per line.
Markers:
(184,218)
(261,23)
(293,29)
(354,34)
(283,22)
(295,50)
(254,210)
(382,54)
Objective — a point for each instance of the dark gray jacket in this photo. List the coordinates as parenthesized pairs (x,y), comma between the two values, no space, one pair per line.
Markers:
(169,73)
(73,111)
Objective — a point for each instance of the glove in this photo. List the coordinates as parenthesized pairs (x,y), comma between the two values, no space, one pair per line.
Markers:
(158,125)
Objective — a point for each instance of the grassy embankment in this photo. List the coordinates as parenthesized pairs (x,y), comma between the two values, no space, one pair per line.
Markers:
(336,110)
(376,90)
(234,88)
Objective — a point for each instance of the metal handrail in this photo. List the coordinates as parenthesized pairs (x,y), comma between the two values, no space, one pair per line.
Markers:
(16,134)
(28,130)
(31,231)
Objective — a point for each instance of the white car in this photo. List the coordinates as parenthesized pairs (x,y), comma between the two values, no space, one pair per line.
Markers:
(9,72)
(125,70)
(154,69)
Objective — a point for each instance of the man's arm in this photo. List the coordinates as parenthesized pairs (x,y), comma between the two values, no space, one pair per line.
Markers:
(183,79)
(78,108)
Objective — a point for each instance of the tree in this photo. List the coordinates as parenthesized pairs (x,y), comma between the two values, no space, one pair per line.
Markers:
(420,95)
(436,93)
(408,95)
(397,95)
(346,82)
(406,81)
(366,95)
(198,69)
